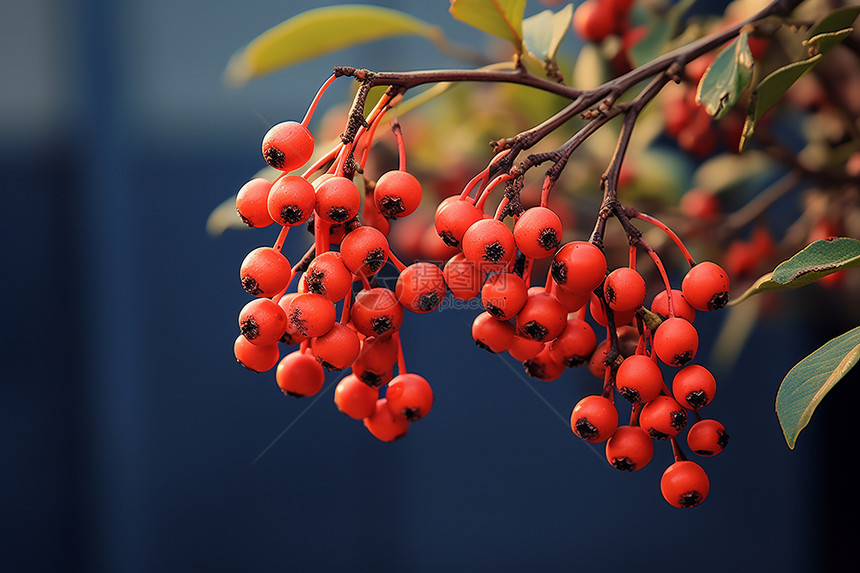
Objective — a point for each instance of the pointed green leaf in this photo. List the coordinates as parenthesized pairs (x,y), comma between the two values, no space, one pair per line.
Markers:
(811,379)
(817,260)
(501,18)
(321,31)
(835,21)
(543,34)
(726,78)
(821,43)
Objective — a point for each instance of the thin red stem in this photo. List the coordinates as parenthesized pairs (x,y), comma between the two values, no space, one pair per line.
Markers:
(401,361)
(316,100)
(669,232)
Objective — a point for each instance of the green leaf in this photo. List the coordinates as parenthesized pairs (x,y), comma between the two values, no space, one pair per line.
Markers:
(726,78)
(770,90)
(821,43)
(835,21)
(543,34)
(729,170)
(811,379)
(817,260)
(321,31)
(501,18)
(660,32)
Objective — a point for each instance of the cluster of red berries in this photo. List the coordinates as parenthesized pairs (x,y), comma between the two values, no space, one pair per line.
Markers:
(543,326)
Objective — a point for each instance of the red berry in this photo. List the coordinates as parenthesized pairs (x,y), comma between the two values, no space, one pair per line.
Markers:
(593,21)
(676,341)
(624,289)
(598,313)
(254,357)
(542,317)
(409,396)
(629,449)
(597,362)
(355,398)
(682,308)
(453,219)
(523,349)
(543,367)
(684,484)
(309,315)
(251,202)
(706,286)
(662,418)
(594,419)
(374,365)
(364,250)
(338,348)
(265,272)
(700,204)
(299,374)
(338,200)
(538,232)
(384,425)
(578,267)
(376,312)
(489,244)
(420,287)
(572,301)
(504,295)
(694,386)
(328,276)
(462,277)
(575,345)
(491,334)
(291,201)
(288,146)
(707,438)
(639,379)
(397,194)
(262,322)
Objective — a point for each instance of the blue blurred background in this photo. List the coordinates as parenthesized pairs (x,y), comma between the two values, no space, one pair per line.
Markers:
(132,441)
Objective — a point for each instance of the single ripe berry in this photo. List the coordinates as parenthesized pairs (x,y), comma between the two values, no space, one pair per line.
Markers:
(522,349)
(542,317)
(684,484)
(489,244)
(624,289)
(597,362)
(262,322)
(706,286)
(328,276)
(462,277)
(420,287)
(629,449)
(253,357)
(453,218)
(309,315)
(374,365)
(288,146)
(364,250)
(251,203)
(593,21)
(376,312)
(578,267)
(409,396)
(492,335)
(355,398)
(694,386)
(594,419)
(663,418)
(639,379)
(682,308)
(676,341)
(575,345)
(338,348)
(265,272)
(538,232)
(397,194)
(384,425)
(291,201)
(504,295)
(338,200)
(707,438)
(543,367)
(597,308)
(299,374)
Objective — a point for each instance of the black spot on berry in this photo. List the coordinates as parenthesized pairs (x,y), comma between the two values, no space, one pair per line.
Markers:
(723,438)
(683,358)
(657,434)
(585,429)
(697,399)
(374,259)
(294,394)
(290,214)
(548,239)
(718,301)
(427,301)
(493,310)
(249,328)
(329,366)
(630,394)
(244,220)
(274,157)
(480,344)
(391,206)
(623,464)
(315,282)
(412,414)
(371,378)
(535,369)
(251,287)
(449,239)
(535,330)
(574,360)
(381,324)
(298,323)
(704,452)
(493,252)
(338,214)
(609,292)
(558,270)
(690,499)
(678,419)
